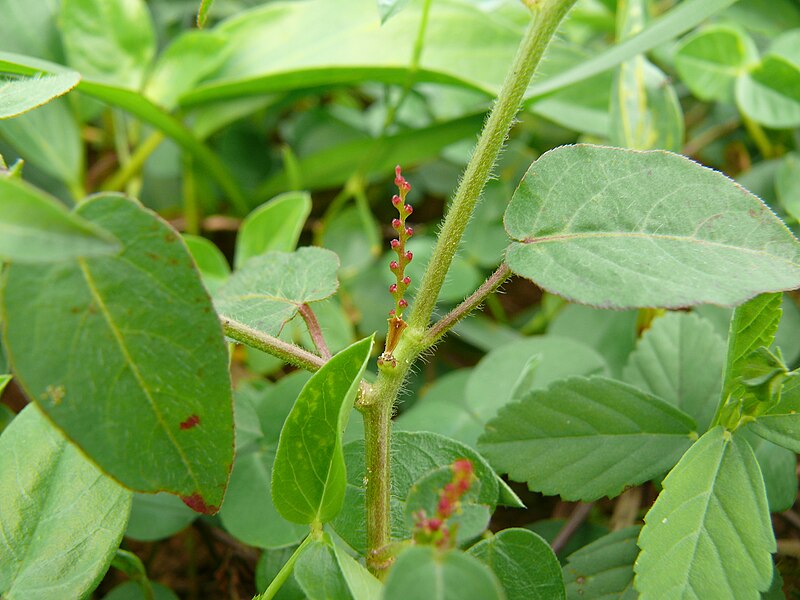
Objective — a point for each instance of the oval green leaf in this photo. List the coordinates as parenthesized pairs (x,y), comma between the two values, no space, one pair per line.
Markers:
(18,96)
(35,227)
(132,342)
(524,563)
(585,438)
(267,292)
(770,93)
(604,568)
(61,518)
(424,573)
(309,478)
(275,225)
(710,524)
(620,228)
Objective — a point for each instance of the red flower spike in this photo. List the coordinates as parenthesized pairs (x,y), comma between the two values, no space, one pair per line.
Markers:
(406,280)
(395,243)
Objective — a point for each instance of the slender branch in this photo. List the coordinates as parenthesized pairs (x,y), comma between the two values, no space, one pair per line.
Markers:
(286,570)
(134,164)
(496,279)
(575,520)
(548,14)
(314,330)
(290,353)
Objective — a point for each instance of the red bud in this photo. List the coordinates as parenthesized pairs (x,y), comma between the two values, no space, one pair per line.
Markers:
(393,265)
(395,243)
(393,288)
(409,232)
(406,280)
(396,200)
(397,224)
(408,208)
(402,303)
(409,255)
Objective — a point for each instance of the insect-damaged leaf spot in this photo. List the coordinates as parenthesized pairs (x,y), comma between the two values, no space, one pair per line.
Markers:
(190,422)
(197,504)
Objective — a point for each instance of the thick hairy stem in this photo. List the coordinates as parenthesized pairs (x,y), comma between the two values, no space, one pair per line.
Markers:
(547,16)
(447,322)
(377,403)
(294,355)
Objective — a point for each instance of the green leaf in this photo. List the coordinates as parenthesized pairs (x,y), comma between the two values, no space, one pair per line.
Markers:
(61,518)
(585,438)
(753,325)
(183,64)
(645,111)
(414,455)
(132,590)
(274,226)
(6,414)
(37,228)
(318,573)
(128,100)
(614,228)
(680,360)
(493,382)
(19,22)
(783,430)
(267,292)
(709,533)
(787,184)
(18,96)
(611,333)
(248,512)
(157,516)
(210,261)
(604,568)
(361,583)
(58,155)
(709,61)
(309,477)
(108,40)
(778,467)
(388,8)
(524,563)
(424,573)
(132,342)
(770,93)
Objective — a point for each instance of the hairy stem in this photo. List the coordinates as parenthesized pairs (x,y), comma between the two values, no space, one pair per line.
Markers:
(377,403)
(444,325)
(548,14)
(315,331)
(294,355)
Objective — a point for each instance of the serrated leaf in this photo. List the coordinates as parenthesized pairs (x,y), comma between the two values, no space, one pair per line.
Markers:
(424,573)
(680,359)
(524,563)
(414,455)
(275,225)
(61,518)
(753,325)
(770,93)
(709,61)
(18,96)
(108,40)
(709,533)
(35,227)
(778,467)
(309,476)
(585,438)
(130,341)
(267,292)
(620,228)
(604,568)
(783,430)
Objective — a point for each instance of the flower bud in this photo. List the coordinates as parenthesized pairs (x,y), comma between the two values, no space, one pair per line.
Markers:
(396,224)
(393,265)
(393,288)
(395,243)
(402,303)
(396,200)
(409,232)
(409,256)
(406,280)
(408,208)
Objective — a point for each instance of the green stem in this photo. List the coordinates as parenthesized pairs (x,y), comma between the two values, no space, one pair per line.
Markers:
(134,165)
(285,571)
(191,207)
(377,403)
(548,14)
(294,355)
(759,137)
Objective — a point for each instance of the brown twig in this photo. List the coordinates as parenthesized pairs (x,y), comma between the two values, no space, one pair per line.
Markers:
(314,330)
(575,520)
